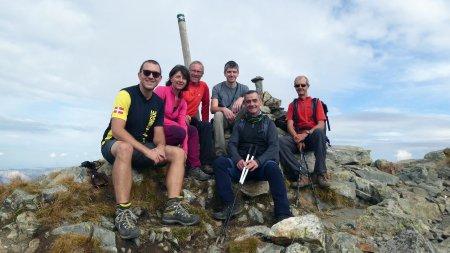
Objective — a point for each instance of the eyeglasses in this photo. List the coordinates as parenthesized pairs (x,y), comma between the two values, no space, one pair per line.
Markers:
(298,85)
(155,74)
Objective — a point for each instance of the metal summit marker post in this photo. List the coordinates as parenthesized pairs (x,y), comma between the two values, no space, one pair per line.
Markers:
(184,39)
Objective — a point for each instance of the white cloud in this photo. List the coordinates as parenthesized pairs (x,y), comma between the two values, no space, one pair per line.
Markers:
(52,155)
(1,153)
(403,155)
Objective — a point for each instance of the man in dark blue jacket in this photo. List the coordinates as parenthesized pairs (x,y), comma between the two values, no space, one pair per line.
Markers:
(258,130)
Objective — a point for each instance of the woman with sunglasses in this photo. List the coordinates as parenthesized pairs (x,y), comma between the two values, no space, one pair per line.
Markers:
(175,128)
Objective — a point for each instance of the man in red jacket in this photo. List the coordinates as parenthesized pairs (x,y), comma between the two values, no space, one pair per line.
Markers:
(307,133)
(198,92)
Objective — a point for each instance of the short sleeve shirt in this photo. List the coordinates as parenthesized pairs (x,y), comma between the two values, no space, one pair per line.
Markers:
(226,95)
(141,115)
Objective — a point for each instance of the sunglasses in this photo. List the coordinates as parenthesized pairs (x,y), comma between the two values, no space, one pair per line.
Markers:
(155,74)
(298,85)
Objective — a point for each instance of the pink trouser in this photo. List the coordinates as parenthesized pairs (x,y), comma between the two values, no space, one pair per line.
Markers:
(175,136)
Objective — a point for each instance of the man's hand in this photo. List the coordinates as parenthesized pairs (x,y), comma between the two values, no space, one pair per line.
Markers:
(157,154)
(300,138)
(229,115)
(252,165)
(237,105)
(301,146)
(240,164)
(188,120)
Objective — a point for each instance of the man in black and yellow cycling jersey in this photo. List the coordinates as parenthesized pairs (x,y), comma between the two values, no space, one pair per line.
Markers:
(137,116)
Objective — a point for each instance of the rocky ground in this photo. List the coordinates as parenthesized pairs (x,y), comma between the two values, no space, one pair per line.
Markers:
(371,207)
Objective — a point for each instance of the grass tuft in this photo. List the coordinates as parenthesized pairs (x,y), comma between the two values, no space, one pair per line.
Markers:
(75,243)
(246,246)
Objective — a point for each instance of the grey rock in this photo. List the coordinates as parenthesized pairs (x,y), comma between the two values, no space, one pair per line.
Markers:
(408,241)
(306,228)
(105,237)
(269,247)
(255,188)
(33,245)
(380,176)
(77,174)
(346,155)
(107,223)
(49,194)
(435,155)
(106,168)
(27,224)
(297,248)
(188,195)
(210,230)
(256,215)
(345,242)
(346,189)
(20,199)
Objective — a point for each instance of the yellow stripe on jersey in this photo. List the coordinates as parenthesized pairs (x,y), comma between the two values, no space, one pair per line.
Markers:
(121,105)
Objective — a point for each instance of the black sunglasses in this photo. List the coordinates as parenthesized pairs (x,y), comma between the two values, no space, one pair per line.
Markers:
(298,85)
(155,74)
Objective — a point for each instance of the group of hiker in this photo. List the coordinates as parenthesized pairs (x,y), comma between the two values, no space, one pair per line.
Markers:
(170,124)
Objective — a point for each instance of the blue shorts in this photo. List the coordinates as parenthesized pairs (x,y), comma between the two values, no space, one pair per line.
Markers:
(138,160)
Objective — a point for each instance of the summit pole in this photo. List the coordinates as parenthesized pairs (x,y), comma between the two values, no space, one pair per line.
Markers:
(184,39)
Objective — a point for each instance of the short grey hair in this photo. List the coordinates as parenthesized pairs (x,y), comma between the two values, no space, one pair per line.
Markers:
(300,77)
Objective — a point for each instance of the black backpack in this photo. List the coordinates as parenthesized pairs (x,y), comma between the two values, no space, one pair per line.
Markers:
(314,104)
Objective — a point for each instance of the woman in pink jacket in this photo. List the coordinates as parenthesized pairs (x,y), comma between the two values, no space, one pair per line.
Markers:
(175,129)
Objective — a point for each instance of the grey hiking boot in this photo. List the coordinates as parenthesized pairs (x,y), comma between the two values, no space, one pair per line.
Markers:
(126,223)
(222,214)
(197,173)
(323,181)
(177,211)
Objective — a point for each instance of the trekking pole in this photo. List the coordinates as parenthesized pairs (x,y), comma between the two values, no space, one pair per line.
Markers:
(302,157)
(223,232)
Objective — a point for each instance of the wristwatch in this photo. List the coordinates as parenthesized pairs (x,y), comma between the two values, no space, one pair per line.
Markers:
(308,132)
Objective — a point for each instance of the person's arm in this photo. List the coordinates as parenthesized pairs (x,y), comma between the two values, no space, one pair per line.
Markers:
(233,144)
(320,116)
(229,115)
(272,151)
(182,122)
(205,104)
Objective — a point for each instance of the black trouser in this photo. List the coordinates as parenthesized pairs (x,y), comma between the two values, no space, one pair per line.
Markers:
(205,138)
(314,142)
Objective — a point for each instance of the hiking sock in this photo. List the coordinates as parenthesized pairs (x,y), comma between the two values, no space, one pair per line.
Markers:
(123,205)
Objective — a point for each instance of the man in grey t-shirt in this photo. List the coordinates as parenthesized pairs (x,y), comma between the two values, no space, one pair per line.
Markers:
(226,104)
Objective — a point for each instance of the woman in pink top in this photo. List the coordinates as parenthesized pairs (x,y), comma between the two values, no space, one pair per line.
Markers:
(175,129)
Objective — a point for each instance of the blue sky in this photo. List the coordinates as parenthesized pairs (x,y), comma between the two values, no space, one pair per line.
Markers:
(381,66)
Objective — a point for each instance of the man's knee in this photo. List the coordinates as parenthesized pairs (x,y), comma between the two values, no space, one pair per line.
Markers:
(218,118)
(174,153)
(122,149)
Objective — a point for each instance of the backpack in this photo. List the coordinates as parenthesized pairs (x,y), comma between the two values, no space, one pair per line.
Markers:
(314,104)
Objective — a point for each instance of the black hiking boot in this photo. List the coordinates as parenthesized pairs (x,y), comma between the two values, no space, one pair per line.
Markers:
(198,174)
(222,214)
(126,223)
(177,212)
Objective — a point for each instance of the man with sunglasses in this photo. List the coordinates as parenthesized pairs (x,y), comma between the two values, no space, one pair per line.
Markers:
(226,105)
(138,115)
(307,133)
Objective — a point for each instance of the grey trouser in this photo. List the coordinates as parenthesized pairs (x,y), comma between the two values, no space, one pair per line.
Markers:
(220,125)
(314,142)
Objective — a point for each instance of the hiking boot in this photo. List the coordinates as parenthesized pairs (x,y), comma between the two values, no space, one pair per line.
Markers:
(222,214)
(208,169)
(198,174)
(126,223)
(304,181)
(323,181)
(177,211)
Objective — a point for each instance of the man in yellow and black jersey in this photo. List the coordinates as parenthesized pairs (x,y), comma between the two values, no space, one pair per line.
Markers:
(138,115)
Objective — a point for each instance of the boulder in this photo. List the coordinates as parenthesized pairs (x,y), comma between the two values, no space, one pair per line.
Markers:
(307,228)
(349,155)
